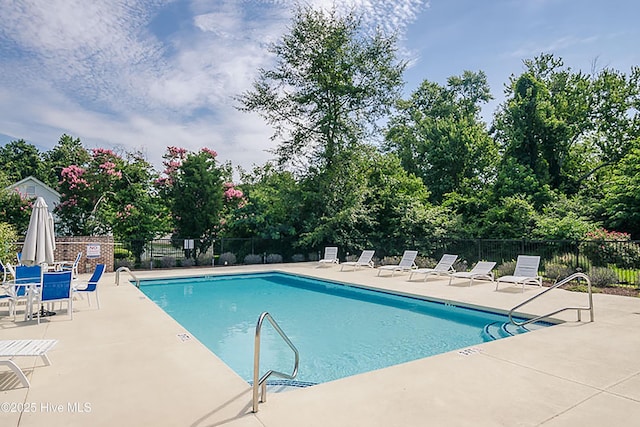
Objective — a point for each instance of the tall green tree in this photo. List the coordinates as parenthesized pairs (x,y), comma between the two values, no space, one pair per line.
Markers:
(438,135)
(273,205)
(622,194)
(563,126)
(19,159)
(15,209)
(68,151)
(331,83)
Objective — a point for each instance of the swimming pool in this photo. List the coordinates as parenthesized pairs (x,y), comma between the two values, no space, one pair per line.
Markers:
(339,329)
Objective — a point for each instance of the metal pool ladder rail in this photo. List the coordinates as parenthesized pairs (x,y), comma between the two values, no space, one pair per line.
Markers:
(256,361)
(130,273)
(560,283)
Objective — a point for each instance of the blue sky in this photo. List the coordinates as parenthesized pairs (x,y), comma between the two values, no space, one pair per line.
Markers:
(146,74)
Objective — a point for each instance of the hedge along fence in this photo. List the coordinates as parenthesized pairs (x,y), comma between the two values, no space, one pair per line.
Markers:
(561,257)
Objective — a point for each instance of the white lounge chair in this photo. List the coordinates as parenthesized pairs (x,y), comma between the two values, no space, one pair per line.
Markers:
(407,263)
(526,272)
(363,261)
(330,256)
(15,348)
(482,270)
(444,266)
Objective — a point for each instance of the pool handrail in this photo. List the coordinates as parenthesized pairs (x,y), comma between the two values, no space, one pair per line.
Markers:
(560,283)
(256,361)
(130,273)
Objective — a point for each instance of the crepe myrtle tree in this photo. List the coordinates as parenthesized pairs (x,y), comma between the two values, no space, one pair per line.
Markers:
(199,194)
(111,194)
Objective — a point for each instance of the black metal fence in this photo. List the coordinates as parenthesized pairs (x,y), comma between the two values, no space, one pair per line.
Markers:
(621,258)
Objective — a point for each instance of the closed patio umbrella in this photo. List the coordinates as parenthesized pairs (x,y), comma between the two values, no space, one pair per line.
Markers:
(40,241)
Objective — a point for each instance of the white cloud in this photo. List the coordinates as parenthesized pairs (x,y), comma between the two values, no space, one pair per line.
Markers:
(99,71)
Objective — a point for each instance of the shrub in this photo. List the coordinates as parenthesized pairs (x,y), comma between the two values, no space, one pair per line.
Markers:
(8,236)
(297,258)
(602,276)
(569,260)
(120,253)
(274,258)
(168,262)
(610,247)
(123,262)
(188,262)
(205,260)
(253,259)
(557,271)
(423,262)
(313,256)
(227,258)
(390,260)
(506,268)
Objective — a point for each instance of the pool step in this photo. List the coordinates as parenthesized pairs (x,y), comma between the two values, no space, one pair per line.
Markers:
(498,330)
(280,386)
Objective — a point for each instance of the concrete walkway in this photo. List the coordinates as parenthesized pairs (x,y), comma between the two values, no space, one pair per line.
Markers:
(130,364)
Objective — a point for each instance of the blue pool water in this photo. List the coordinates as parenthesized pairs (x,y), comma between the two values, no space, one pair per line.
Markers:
(339,330)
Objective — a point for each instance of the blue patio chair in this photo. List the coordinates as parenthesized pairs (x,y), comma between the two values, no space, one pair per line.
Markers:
(92,285)
(56,286)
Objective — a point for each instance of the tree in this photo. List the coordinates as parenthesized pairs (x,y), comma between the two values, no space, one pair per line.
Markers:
(622,194)
(197,189)
(19,160)
(273,205)
(15,209)
(439,136)
(565,126)
(112,194)
(331,84)
(68,151)
(8,237)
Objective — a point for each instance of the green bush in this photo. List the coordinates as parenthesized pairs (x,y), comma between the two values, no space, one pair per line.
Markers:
(205,260)
(168,262)
(297,258)
(611,247)
(121,253)
(557,271)
(602,276)
(507,268)
(569,260)
(253,259)
(227,258)
(8,236)
(123,262)
(274,258)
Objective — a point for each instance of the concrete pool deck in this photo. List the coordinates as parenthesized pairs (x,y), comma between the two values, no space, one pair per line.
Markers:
(129,364)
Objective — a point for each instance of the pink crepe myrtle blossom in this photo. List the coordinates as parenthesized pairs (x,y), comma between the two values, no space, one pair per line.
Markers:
(209,151)
(233,193)
(73,175)
(110,169)
(97,152)
(127,212)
